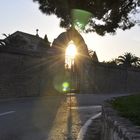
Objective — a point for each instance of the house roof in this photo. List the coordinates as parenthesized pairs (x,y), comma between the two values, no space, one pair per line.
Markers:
(27,35)
(21,41)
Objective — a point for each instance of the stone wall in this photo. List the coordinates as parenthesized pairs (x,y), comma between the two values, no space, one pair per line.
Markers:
(112,79)
(27,73)
(22,74)
(117,128)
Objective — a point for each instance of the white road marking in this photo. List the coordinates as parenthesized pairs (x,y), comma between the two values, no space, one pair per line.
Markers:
(87,107)
(6,113)
(83,130)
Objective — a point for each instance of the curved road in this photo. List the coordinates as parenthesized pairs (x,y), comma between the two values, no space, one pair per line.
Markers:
(48,118)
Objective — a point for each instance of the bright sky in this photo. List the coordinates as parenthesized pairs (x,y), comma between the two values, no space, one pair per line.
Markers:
(23,15)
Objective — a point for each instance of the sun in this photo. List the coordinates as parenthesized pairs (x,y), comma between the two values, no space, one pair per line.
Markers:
(71,50)
(70,54)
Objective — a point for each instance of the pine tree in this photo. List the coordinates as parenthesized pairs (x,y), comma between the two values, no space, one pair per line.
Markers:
(108,15)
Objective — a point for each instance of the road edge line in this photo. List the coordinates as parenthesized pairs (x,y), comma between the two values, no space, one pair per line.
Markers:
(6,113)
(83,130)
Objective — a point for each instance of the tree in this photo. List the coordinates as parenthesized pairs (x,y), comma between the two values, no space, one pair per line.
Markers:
(108,15)
(128,60)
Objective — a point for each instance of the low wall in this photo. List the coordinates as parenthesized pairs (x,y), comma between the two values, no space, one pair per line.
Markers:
(115,127)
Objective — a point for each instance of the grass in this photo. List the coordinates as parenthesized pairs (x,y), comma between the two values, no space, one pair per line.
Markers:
(128,107)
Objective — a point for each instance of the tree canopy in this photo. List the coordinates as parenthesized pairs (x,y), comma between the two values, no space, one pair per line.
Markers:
(128,60)
(108,15)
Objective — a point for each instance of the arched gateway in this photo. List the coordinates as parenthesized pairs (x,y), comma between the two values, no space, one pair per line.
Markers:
(78,75)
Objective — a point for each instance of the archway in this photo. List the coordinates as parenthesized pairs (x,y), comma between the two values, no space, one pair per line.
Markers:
(70,66)
(80,63)
(70,55)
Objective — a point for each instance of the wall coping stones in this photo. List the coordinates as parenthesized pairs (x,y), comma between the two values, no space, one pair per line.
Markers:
(124,128)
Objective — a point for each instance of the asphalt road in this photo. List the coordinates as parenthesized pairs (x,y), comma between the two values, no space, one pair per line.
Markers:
(47,118)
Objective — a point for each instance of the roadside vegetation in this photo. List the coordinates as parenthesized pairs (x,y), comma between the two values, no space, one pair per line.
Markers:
(128,107)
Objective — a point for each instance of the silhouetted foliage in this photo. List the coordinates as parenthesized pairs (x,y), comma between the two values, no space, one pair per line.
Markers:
(128,60)
(108,15)
(112,62)
(5,35)
(2,41)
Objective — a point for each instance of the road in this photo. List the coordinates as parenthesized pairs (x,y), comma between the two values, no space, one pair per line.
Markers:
(47,118)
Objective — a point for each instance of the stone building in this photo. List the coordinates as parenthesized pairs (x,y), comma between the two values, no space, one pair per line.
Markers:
(25,41)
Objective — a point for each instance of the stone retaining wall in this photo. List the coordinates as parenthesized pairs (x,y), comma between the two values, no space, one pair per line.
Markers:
(115,127)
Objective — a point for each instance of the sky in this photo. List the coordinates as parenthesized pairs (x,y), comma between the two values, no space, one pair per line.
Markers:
(24,15)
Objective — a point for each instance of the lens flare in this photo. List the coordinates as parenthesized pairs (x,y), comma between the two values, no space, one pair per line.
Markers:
(71,50)
(80,18)
(65,86)
(70,54)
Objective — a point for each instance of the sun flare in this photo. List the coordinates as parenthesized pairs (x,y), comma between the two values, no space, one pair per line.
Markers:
(70,54)
(71,50)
